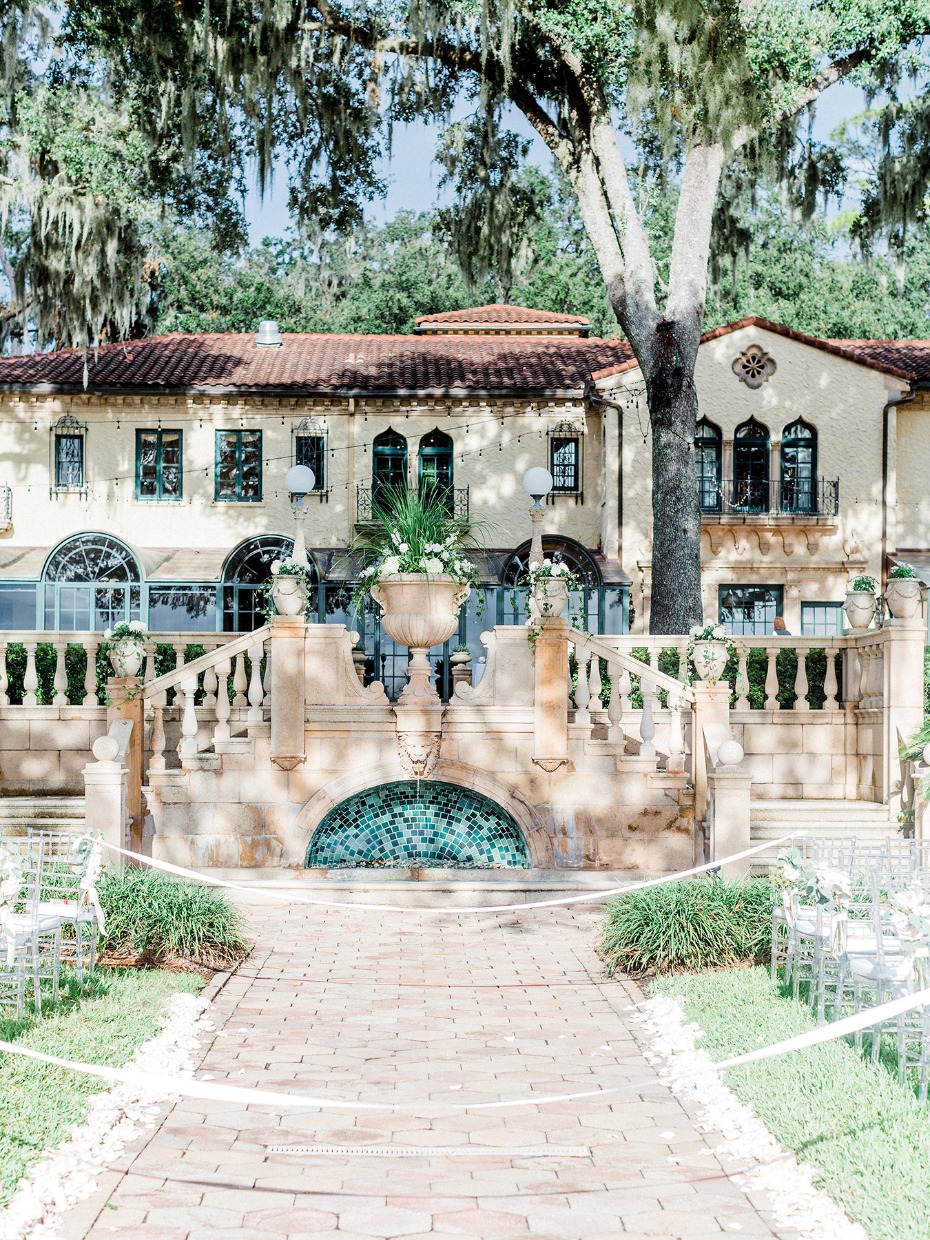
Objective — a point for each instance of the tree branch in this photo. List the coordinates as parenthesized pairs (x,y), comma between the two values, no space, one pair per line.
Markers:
(691,242)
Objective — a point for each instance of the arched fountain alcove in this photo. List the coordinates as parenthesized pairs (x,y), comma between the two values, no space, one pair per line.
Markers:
(423,823)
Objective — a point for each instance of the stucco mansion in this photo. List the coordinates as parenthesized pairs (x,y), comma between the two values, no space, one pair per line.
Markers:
(153,486)
(145,481)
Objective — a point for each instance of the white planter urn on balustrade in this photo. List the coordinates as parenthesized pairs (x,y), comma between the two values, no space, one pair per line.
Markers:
(127,654)
(548,598)
(903,597)
(710,658)
(860,609)
(420,610)
(289,593)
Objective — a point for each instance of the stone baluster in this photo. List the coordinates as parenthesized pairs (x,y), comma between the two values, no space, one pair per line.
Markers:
(676,735)
(209,681)
(240,682)
(800,682)
(4,676)
(595,687)
(742,678)
(876,685)
(829,681)
(91,646)
(148,672)
(180,654)
(223,707)
(582,690)
(256,692)
(771,679)
(188,744)
(60,679)
(615,706)
(647,726)
(158,738)
(31,676)
(865,677)
(266,679)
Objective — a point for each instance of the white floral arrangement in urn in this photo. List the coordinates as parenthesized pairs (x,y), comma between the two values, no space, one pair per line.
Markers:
(414,532)
(709,648)
(548,571)
(126,630)
(290,566)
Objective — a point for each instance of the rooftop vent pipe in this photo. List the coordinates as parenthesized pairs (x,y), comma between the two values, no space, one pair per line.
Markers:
(268,335)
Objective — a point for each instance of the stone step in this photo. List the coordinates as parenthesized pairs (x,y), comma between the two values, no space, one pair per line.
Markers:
(41,808)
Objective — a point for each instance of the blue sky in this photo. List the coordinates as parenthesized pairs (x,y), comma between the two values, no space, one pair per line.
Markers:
(413,178)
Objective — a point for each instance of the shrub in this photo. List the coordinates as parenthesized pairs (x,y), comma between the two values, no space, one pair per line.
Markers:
(693,924)
(158,918)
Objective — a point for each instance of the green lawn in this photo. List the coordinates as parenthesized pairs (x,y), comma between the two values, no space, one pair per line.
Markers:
(868,1135)
(118,1011)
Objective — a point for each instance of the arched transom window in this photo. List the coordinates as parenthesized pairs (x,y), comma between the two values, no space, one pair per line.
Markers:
(91,583)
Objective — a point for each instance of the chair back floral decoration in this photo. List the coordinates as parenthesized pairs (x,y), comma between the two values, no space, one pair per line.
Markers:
(910,920)
(824,888)
(88,857)
(11,888)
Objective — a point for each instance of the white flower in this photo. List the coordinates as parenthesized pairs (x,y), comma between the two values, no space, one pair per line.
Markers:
(450,540)
(695,630)
(395,537)
(276,566)
(433,565)
(403,548)
(534,564)
(720,632)
(107,635)
(137,626)
(390,565)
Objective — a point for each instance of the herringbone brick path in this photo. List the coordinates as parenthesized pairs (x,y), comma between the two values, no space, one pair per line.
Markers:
(426,1012)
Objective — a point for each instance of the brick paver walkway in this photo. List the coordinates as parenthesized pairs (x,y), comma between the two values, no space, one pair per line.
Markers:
(426,1012)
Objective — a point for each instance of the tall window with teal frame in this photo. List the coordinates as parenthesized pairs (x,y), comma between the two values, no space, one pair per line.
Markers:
(388,463)
(751,467)
(238,467)
(708,444)
(159,469)
(799,468)
(435,467)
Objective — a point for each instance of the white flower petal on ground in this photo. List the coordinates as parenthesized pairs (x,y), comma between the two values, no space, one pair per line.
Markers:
(795,1200)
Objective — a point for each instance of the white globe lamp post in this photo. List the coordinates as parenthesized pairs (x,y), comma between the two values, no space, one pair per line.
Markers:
(537,482)
(299,480)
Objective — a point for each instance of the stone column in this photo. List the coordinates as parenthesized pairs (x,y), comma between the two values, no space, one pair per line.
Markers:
(288,696)
(902,692)
(105,790)
(550,698)
(125,701)
(711,709)
(729,791)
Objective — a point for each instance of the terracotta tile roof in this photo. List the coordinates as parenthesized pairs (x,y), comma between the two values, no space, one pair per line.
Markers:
(905,359)
(497,317)
(309,364)
(911,357)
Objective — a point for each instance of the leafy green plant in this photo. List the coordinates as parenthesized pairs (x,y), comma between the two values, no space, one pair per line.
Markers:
(693,924)
(157,918)
(864,582)
(903,571)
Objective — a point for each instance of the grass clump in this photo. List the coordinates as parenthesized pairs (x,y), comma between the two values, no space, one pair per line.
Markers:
(868,1136)
(105,1023)
(702,923)
(156,919)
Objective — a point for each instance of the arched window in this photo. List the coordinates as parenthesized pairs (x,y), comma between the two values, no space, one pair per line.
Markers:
(247,569)
(388,463)
(434,466)
(751,467)
(707,463)
(91,583)
(559,550)
(799,468)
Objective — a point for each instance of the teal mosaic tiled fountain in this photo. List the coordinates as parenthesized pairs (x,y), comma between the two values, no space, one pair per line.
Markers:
(425,824)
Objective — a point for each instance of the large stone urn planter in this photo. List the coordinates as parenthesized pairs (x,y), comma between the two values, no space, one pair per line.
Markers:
(289,593)
(127,654)
(903,597)
(859,608)
(420,610)
(710,658)
(548,597)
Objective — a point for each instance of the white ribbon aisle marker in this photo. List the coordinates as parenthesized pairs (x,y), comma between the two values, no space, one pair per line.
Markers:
(189,1088)
(425,911)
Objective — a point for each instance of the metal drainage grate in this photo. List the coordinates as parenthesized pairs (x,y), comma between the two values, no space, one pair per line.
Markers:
(436,1151)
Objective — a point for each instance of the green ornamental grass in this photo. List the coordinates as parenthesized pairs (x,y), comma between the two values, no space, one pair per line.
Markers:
(867,1135)
(158,918)
(700,923)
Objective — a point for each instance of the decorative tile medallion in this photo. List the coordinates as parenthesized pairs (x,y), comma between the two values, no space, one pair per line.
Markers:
(418,823)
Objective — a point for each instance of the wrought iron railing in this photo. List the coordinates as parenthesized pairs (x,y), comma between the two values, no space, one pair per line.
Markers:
(455,500)
(804,497)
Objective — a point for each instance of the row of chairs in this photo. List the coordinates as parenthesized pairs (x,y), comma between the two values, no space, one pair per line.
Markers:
(49,913)
(858,941)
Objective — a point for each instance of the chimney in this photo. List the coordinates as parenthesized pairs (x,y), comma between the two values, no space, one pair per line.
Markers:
(268,335)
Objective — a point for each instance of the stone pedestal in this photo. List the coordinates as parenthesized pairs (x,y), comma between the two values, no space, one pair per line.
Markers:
(125,701)
(288,696)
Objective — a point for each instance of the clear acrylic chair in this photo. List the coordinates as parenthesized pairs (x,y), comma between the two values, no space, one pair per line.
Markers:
(29,928)
(66,893)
